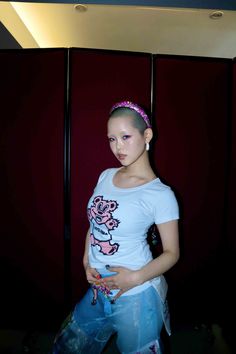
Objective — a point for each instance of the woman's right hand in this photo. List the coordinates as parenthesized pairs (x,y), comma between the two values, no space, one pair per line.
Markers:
(91,274)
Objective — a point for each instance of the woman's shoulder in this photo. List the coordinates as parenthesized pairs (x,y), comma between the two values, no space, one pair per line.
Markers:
(161,199)
(160,185)
(158,190)
(107,172)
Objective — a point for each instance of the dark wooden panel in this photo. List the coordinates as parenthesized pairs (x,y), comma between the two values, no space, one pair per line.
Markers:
(232,186)
(31,137)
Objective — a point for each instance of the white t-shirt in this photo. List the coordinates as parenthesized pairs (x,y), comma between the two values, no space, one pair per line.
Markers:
(119,221)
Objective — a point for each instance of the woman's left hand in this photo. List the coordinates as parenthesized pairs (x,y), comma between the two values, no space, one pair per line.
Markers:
(124,280)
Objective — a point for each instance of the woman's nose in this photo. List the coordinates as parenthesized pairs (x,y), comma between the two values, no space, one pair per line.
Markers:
(118,144)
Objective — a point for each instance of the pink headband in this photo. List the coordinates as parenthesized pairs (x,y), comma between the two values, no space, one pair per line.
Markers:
(134,107)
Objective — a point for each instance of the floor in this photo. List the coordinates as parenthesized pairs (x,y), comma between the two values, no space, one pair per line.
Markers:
(185,340)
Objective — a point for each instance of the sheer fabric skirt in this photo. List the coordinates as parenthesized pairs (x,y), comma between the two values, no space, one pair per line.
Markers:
(136,319)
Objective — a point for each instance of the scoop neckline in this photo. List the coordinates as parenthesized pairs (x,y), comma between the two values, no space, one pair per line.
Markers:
(129,188)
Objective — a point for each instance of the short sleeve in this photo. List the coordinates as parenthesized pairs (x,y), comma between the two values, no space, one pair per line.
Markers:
(106,173)
(166,207)
(102,176)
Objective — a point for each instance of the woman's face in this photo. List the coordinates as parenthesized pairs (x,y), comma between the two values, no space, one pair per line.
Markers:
(126,141)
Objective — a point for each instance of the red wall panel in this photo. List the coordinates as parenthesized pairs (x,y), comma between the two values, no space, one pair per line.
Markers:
(98,80)
(191,101)
(31,182)
(192,115)
(232,186)
(229,262)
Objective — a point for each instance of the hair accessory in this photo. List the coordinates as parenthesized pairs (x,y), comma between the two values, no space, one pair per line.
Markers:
(134,107)
(147,146)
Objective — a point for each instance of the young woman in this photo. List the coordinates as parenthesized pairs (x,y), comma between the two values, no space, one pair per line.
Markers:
(128,290)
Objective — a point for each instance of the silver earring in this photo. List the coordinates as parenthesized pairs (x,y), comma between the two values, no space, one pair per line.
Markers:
(147,146)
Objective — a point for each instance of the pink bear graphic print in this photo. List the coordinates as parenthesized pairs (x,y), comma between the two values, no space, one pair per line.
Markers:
(100,215)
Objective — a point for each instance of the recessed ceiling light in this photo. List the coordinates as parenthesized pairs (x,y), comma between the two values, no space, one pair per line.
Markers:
(216,15)
(80,7)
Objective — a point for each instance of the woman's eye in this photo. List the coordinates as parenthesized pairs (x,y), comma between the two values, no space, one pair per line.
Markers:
(125,137)
(111,140)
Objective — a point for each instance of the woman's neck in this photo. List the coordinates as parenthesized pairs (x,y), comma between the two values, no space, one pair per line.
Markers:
(141,168)
(135,174)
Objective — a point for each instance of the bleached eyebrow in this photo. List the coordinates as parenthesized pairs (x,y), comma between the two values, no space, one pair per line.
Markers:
(123,132)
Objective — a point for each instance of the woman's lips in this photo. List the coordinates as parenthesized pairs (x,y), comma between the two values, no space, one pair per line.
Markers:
(121,156)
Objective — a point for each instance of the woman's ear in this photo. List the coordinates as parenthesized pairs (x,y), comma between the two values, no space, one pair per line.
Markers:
(148,134)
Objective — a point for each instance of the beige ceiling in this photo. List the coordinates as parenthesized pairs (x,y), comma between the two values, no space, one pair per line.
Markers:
(143,29)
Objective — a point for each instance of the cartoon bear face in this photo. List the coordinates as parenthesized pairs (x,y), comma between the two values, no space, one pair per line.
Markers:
(101,210)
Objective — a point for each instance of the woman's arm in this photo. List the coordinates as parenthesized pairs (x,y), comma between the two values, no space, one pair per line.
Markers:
(91,273)
(86,249)
(127,279)
(169,234)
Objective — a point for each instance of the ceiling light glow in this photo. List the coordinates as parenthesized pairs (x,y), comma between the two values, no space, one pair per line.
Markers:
(216,15)
(81,8)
